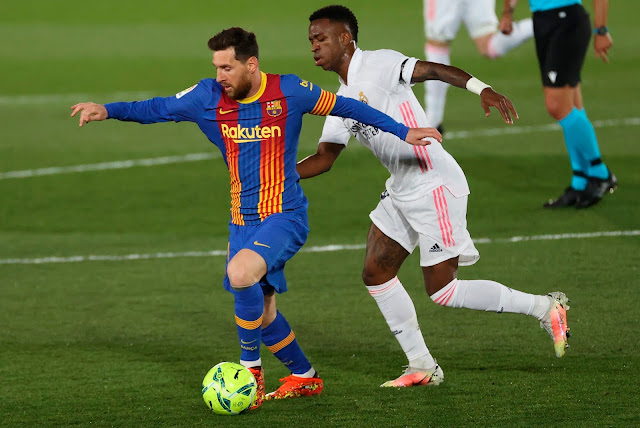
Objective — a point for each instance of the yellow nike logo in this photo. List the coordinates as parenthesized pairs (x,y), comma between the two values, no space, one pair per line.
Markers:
(246,343)
(262,245)
(224,111)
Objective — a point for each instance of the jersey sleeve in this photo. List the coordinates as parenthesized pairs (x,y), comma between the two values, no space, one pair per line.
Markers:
(315,100)
(347,107)
(335,131)
(394,68)
(184,106)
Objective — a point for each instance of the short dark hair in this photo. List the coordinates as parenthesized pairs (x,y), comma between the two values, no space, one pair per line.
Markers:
(244,42)
(338,13)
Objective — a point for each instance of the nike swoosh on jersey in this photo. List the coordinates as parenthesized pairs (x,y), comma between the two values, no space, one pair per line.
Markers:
(224,111)
(262,245)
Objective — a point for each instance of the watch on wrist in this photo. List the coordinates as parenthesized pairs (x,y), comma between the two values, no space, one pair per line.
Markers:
(601,31)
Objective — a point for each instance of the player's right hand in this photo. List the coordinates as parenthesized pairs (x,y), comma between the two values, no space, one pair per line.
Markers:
(416,136)
(89,112)
(506,23)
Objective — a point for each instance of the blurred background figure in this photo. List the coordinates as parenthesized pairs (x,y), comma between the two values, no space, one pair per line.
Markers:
(442,19)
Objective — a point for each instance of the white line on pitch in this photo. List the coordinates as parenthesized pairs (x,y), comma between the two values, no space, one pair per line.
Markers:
(511,130)
(43,99)
(316,249)
(192,157)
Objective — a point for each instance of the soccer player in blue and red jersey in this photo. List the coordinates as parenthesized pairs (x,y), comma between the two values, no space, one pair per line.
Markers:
(255,120)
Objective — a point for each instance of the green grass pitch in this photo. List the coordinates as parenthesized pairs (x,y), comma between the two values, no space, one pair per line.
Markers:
(127,342)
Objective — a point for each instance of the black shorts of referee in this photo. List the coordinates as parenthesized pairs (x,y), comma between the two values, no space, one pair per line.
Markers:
(562,38)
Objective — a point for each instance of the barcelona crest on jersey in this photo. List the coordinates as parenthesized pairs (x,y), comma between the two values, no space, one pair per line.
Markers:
(274,108)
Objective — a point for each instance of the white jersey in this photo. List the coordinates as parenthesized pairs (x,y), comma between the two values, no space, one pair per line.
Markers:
(382,80)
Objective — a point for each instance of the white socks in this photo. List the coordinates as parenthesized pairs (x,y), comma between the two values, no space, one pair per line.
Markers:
(249,364)
(435,90)
(309,374)
(484,295)
(500,43)
(398,310)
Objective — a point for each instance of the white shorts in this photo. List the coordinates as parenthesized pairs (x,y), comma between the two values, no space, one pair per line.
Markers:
(442,18)
(437,222)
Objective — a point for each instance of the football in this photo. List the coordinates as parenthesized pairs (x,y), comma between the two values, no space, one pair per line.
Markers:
(229,388)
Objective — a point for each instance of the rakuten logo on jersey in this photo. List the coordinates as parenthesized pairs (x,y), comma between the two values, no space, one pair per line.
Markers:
(240,134)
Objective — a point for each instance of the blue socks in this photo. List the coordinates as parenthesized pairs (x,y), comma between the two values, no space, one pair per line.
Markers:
(278,336)
(281,341)
(249,305)
(582,145)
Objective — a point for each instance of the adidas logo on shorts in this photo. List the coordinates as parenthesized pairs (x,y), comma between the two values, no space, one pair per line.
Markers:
(435,249)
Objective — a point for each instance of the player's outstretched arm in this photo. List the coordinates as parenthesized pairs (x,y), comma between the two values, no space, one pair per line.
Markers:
(425,70)
(347,107)
(321,161)
(89,112)
(323,103)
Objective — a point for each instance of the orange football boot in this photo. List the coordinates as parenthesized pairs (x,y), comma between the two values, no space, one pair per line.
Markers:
(258,373)
(296,386)
(555,322)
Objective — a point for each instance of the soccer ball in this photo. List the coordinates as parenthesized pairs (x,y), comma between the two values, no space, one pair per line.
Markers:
(229,388)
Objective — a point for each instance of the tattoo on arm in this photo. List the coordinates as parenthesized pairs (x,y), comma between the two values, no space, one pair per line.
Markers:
(425,70)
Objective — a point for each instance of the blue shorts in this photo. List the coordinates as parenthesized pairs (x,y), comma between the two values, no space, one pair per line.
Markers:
(276,239)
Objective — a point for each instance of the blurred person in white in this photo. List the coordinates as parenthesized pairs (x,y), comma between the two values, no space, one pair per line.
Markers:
(442,19)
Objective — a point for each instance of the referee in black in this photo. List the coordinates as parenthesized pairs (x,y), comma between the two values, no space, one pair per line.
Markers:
(562,31)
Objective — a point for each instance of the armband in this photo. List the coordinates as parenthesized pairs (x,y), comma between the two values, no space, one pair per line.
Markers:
(476,86)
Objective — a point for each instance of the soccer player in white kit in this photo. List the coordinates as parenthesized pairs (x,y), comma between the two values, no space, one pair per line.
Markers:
(442,20)
(425,200)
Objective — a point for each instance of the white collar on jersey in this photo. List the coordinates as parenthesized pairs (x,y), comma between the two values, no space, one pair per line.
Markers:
(356,60)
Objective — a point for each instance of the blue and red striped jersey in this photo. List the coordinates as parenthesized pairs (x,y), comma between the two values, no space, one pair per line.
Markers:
(258,136)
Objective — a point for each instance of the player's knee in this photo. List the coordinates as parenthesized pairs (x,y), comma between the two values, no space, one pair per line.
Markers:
(446,295)
(483,49)
(483,45)
(556,108)
(373,277)
(434,284)
(368,277)
(240,276)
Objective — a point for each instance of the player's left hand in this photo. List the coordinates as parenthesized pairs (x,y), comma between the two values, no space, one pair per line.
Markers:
(89,112)
(601,44)
(416,136)
(490,98)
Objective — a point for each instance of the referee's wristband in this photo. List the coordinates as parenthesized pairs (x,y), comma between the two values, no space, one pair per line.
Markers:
(601,31)
(476,86)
